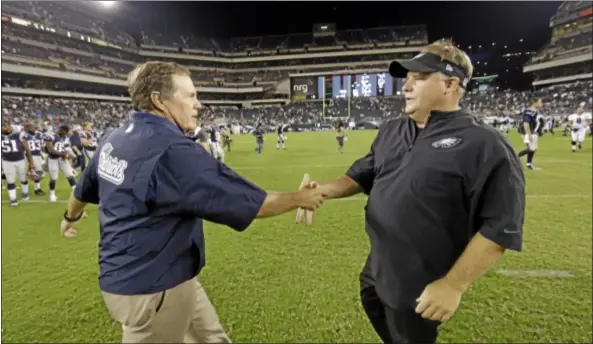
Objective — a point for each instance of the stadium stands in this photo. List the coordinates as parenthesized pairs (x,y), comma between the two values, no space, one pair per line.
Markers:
(54,39)
(558,101)
(568,55)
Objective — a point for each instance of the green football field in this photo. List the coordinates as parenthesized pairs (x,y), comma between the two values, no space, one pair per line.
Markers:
(280,282)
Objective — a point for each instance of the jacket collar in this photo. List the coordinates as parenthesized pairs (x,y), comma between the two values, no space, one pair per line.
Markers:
(149,118)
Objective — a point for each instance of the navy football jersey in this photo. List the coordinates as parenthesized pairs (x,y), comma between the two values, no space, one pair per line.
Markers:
(12,147)
(61,144)
(259,135)
(213,133)
(35,141)
(530,117)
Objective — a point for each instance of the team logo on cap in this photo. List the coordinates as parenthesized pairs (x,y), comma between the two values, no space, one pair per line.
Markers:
(449,142)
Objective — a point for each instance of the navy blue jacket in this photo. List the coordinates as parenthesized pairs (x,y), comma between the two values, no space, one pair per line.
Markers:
(76,141)
(154,187)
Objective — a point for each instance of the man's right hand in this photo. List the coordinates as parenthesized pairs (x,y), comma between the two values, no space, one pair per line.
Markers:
(310,197)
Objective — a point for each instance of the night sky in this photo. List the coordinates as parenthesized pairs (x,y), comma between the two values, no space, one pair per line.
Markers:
(468,23)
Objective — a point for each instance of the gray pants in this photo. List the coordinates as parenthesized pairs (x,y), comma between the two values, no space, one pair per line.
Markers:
(15,169)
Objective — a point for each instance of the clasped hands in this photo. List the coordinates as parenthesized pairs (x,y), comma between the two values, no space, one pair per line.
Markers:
(311,197)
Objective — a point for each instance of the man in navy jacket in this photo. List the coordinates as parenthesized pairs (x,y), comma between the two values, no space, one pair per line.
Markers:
(155,187)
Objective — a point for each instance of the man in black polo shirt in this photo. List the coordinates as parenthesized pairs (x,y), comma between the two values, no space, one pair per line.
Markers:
(154,187)
(446,198)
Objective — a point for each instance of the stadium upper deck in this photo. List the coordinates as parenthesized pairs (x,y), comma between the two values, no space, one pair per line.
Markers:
(45,39)
(567,57)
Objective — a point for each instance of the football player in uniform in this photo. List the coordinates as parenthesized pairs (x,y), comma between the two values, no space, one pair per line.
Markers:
(201,138)
(76,143)
(259,139)
(505,125)
(549,126)
(529,129)
(214,136)
(59,151)
(578,123)
(89,140)
(340,136)
(225,133)
(35,141)
(281,137)
(14,150)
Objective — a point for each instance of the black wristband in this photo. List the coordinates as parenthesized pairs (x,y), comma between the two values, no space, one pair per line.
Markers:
(75,219)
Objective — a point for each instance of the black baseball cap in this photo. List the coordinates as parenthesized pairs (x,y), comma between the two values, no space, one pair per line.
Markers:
(427,63)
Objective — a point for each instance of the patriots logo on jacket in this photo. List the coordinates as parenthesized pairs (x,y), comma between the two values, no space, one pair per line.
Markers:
(111,168)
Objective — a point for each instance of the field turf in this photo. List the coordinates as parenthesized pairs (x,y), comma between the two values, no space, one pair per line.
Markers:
(279,282)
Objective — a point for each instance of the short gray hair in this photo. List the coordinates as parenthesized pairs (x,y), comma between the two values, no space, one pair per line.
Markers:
(152,76)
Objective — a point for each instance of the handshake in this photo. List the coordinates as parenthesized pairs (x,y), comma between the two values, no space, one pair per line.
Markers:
(310,197)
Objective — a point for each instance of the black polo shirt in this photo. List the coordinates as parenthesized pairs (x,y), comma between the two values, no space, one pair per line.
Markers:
(154,187)
(429,193)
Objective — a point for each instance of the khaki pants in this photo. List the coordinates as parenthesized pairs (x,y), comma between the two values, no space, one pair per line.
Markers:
(182,314)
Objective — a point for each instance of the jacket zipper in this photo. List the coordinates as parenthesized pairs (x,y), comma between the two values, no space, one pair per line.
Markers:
(417,137)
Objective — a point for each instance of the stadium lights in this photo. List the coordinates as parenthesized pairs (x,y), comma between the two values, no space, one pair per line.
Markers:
(107,3)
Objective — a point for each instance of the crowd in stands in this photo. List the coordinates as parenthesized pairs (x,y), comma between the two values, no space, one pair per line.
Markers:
(29,46)
(559,100)
(569,10)
(69,17)
(45,48)
(276,44)
(79,20)
(572,33)
(567,46)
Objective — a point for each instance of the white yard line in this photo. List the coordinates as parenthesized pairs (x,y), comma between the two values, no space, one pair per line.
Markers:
(281,166)
(41,201)
(528,196)
(544,273)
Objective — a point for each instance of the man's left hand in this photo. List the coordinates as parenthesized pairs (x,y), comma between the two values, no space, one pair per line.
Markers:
(67,230)
(439,300)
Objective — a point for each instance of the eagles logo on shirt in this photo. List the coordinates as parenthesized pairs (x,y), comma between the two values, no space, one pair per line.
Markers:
(449,142)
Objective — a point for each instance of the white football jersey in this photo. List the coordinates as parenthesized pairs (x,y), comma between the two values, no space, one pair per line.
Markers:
(579,121)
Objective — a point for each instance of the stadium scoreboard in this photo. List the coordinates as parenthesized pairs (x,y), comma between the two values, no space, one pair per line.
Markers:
(344,86)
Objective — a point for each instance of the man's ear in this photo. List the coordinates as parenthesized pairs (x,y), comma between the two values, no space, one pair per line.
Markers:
(157,101)
(452,84)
